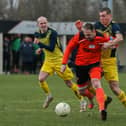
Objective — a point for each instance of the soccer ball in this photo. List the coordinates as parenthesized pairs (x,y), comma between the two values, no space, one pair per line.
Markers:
(62,109)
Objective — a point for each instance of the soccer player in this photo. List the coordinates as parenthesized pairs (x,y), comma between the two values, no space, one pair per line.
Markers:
(79,25)
(88,63)
(47,39)
(108,99)
(109,28)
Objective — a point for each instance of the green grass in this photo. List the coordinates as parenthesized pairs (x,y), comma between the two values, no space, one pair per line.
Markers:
(21,100)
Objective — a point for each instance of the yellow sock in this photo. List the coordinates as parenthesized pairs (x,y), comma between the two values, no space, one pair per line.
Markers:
(74,87)
(122,97)
(92,90)
(45,87)
(105,97)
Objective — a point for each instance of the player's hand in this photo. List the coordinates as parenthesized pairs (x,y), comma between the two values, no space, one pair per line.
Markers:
(79,25)
(63,68)
(38,51)
(106,45)
(36,41)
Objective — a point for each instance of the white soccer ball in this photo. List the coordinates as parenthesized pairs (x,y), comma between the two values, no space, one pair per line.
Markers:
(62,109)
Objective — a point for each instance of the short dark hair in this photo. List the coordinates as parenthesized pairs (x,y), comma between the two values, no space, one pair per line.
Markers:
(89,26)
(106,9)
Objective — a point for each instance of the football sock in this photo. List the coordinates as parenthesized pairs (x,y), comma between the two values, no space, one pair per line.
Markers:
(100,97)
(92,90)
(74,87)
(122,97)
(45,87)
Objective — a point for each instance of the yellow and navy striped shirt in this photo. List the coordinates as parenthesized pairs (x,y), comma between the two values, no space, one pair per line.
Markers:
(111,30)
(49,42)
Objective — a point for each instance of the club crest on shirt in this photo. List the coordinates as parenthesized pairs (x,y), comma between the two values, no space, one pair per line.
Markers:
(91,46)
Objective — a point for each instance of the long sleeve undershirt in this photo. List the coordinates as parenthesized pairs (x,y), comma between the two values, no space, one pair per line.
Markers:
(52,43)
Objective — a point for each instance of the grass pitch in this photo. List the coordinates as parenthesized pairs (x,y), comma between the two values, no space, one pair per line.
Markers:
(21,99)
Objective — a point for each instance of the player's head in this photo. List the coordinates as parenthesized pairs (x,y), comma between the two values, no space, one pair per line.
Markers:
(89,31)
(42,23)
(105,16)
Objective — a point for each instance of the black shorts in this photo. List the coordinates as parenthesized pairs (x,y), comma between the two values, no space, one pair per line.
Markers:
(82,72)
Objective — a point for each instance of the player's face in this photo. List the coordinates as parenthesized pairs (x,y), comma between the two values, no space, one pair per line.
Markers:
(105,18)
(89,34)
(43,24)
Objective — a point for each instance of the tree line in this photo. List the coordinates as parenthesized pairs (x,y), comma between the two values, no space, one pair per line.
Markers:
(58,10)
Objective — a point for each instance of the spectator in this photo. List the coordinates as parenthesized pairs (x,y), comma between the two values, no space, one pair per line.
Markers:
(16,41)
(27,54)
(6,55)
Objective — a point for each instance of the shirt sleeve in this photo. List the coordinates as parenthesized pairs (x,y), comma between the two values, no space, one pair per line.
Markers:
(116,29)
(71,45)
(105,39)
(102,39)
(52,43)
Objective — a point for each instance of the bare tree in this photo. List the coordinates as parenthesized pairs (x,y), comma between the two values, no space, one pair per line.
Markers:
(3,8)
(119,14)
(31,9)
(58,10)
(86,10)
(11,9)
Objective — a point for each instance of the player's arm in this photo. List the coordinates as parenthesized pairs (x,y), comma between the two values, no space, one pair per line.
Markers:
(71,45)
(37,35)
(79,25)
(36,42)
(117,35)
(118,38)
(105,43)
(113,41)
(52,43)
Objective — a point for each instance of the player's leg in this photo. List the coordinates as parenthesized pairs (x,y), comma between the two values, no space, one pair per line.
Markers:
(95,75)
(114,85)
(92,90)
(83,83)
(67,76)
(44,73)
(84,91)
(74,88)
(99,93)
(108,99)
(111,75)
(79,92)
(43,83)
